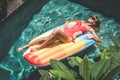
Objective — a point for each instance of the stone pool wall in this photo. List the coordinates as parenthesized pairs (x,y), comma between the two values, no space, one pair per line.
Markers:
(13,25)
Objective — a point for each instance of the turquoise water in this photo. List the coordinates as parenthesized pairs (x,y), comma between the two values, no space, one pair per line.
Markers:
(53,14)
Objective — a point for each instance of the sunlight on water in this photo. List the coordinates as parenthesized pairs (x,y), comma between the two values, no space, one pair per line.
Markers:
(53,14)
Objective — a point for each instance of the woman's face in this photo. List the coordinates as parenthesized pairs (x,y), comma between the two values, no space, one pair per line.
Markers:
(92,19)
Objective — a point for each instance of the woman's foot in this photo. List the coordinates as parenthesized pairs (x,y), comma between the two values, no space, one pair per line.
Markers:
(20,48)
(35,48)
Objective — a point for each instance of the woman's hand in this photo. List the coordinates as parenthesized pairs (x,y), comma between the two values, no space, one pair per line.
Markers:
(95,36)
(89,37)
(66,23)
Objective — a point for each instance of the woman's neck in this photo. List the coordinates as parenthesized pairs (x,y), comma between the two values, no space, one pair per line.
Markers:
(88,23)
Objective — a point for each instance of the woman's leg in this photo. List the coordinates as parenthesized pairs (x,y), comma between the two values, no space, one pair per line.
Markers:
(38,41)
(57,34)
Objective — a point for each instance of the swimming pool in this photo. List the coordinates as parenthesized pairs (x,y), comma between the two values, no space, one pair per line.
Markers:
(52,15)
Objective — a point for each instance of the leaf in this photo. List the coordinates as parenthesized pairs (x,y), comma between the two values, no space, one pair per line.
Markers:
(115,60)
(75,61)
(115,40)
(99,68)
(105,54)
(112,74)
(44,75)
(114,52)
(84,68)
(99,46)
(57,65)
(60,74)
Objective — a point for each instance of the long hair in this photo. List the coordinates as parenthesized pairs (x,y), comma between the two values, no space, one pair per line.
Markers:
(97,23)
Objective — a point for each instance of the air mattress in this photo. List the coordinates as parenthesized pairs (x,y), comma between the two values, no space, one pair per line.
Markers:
(57,50)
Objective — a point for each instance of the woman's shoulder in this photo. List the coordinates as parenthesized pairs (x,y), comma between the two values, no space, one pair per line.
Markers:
(83,21)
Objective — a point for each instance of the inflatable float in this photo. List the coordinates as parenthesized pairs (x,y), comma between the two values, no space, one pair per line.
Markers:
(57,50)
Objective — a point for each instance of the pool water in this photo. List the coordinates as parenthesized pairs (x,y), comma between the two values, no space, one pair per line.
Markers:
(53,14)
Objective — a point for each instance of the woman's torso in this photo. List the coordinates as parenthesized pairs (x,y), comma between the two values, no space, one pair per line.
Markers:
(77,29)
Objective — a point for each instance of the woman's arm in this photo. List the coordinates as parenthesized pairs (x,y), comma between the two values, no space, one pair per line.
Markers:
(95,36)
(67,22)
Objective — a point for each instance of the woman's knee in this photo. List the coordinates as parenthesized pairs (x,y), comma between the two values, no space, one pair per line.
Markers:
(56,31)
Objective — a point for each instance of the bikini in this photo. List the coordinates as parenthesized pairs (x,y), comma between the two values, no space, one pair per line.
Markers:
(77,27)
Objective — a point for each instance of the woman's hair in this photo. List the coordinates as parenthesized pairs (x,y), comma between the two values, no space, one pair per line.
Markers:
(97,23)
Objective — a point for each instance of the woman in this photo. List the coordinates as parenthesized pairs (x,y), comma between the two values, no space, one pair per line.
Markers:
(67,34)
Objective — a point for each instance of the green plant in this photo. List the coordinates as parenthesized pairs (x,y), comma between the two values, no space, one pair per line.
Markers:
(89,70)
(107,67)
(113,52)
(59,72)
